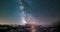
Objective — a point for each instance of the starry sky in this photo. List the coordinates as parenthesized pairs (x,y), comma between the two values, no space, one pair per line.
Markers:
(43,10)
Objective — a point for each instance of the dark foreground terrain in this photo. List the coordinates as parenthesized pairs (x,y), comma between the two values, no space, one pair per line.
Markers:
(26,28)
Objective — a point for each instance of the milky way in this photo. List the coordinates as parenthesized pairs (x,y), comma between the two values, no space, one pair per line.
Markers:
(27,18)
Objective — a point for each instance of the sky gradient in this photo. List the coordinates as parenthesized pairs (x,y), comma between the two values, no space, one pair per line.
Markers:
(43,10)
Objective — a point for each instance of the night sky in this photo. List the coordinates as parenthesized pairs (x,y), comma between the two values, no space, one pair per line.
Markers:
(43,10)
